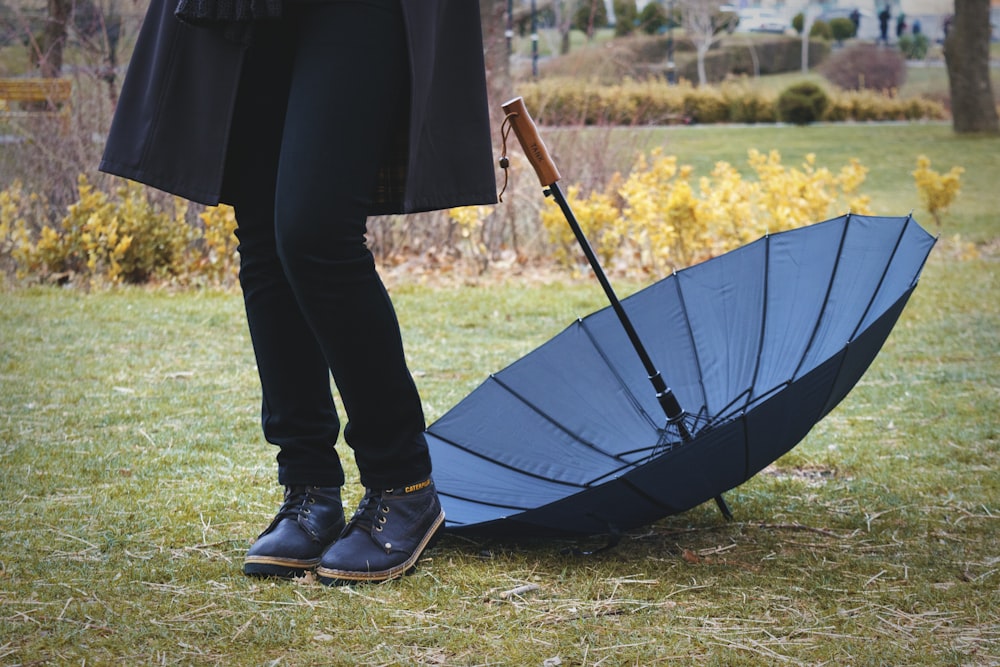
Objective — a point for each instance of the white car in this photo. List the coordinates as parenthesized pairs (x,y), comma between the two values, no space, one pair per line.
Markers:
(759,19)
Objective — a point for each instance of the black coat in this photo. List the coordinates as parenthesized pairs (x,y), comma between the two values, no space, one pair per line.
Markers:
(171,129)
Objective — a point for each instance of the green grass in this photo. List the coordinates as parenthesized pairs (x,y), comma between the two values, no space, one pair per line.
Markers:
(132,476)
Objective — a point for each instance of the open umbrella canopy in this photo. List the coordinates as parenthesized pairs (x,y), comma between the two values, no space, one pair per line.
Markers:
(758,345)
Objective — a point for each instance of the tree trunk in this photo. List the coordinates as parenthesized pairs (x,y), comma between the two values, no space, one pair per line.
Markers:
(808,18)
(494,23)
(50,46)
(591,30)
(563,17)
(701,50)
(499,89)
(967,55)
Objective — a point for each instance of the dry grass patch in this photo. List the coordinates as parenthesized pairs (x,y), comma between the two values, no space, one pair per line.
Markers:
(132,478)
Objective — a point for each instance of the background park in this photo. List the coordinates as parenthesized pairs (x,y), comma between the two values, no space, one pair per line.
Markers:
(132,472)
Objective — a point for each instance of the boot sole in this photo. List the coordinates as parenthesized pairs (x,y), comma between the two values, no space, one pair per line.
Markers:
(333,577)
(280,568)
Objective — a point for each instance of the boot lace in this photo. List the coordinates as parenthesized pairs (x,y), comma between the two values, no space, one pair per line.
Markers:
(372,511)
(297,501)
(297,504)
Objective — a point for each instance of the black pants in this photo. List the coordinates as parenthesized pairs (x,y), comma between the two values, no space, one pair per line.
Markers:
(333,76)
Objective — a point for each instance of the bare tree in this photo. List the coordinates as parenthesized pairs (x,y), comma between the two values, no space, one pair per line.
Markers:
(967,55)
(494,23)
(562,11)
(592,14)
(704,25)
(53,40)
(808,18)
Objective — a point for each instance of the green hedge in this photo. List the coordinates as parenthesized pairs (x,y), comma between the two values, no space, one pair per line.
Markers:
(654,102)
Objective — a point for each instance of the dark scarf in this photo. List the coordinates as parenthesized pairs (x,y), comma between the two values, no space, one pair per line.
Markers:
(235,17)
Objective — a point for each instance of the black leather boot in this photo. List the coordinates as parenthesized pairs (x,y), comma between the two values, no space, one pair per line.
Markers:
(385,537)
(309,521)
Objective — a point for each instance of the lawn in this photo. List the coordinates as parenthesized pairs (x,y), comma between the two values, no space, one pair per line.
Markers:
(133,477)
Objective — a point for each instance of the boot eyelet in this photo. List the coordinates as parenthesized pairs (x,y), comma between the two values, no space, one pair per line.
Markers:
(381,519)
(378,529)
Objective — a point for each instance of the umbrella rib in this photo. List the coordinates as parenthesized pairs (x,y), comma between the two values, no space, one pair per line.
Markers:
(508,466)
(724,414)
(646,496)
(920,267)
(589,445)
(763,320)
(746,452)
(694,342)
(826,298)
(481,502)
(621,381)
(881,280)
(612,474)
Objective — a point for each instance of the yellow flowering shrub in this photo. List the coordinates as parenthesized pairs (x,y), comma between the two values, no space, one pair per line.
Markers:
(658,217)
(215,257)
(125,238)
(471,223)
(76,246)
(596,214)
(121,237)
(10,213)
(16,208)
(850,179)
(792,196)
(656,220)
(727,205)
(660,223)
(937,191)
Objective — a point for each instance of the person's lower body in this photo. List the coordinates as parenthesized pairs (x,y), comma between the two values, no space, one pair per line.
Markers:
(334,77)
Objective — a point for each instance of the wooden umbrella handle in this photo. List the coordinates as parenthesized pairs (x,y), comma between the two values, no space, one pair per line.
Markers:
(527,135)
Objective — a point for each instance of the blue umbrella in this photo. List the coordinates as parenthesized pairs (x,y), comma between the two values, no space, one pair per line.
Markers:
(583,436)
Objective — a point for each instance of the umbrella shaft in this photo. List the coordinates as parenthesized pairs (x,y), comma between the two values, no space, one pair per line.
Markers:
(671,407)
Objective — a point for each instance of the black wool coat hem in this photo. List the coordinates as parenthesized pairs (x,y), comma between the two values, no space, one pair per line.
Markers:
(172,126)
